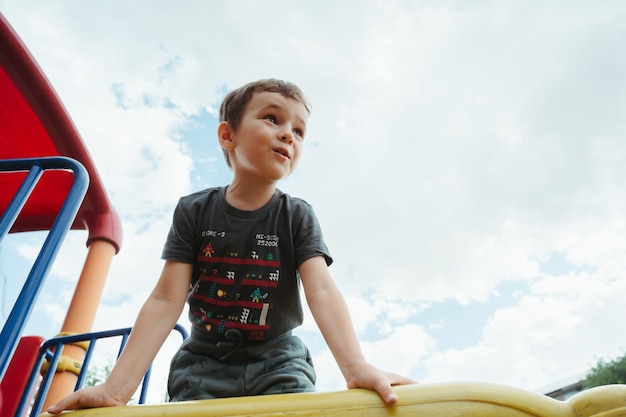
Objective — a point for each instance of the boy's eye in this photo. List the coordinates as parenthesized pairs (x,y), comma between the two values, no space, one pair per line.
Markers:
(271,118)
(298,133)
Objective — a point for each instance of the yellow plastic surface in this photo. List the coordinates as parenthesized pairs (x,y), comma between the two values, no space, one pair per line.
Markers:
(428,400)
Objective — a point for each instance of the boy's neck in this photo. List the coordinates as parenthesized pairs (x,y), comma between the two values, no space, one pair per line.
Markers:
(249,196)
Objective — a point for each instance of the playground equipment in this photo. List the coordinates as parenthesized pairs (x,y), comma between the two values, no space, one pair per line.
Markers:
(432,400)
(48,182)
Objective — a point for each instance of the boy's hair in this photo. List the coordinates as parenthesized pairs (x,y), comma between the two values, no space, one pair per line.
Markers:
(235,102)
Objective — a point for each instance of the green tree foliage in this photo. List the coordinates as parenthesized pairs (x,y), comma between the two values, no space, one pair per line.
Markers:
(607,372)
(97,374)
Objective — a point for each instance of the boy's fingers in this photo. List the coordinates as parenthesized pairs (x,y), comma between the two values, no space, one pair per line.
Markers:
(68,403)
(400,380)
(387,394)
(395,379)
(56,408)
(386,391)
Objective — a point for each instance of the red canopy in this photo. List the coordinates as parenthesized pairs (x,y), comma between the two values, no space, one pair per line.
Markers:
(34,123)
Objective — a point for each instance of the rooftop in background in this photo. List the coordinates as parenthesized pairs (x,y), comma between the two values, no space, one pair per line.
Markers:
(564,388)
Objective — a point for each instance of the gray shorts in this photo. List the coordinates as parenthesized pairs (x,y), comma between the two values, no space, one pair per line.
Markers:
(204,370)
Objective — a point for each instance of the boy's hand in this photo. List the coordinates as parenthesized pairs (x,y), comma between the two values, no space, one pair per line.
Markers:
(369,377)
(91,397)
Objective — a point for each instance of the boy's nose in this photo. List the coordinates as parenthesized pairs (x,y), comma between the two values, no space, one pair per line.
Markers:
(286,137)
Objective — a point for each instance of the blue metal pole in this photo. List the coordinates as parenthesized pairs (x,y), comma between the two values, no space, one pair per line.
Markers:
(23,306)
(19,199)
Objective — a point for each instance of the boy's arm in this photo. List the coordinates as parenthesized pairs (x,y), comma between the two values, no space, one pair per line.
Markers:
(154,323)
(333,318)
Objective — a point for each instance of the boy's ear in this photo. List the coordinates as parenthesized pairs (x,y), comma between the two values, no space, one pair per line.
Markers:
(225,136)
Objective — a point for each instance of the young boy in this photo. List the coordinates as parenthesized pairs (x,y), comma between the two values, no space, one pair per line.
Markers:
(236,254)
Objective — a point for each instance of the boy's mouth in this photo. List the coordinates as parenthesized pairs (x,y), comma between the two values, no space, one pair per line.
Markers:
(284,152)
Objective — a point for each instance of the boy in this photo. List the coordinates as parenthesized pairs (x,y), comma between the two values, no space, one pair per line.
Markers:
(235,255)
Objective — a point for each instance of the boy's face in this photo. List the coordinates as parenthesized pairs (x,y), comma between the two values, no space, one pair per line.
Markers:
(268,142)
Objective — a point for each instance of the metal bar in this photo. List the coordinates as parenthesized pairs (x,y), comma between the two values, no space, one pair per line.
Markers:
(22,308)
(144,386)
(56,345)
(85,365)
(47,380)
(19,199)
(32,380)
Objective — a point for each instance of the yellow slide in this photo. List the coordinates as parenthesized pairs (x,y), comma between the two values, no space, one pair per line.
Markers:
(428,400)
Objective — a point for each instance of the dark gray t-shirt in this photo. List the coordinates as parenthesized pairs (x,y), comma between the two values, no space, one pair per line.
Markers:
(245,273)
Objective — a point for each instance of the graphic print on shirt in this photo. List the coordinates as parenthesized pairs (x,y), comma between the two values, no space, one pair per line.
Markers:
(235,290)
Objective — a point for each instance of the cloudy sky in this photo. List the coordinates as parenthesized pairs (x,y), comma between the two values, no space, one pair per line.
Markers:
(466,160)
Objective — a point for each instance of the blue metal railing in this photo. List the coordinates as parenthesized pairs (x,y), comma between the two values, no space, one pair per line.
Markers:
(22,308)
(52,350)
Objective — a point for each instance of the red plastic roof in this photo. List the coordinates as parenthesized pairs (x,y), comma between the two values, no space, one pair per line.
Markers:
(34,123)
